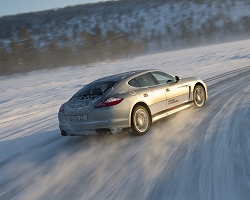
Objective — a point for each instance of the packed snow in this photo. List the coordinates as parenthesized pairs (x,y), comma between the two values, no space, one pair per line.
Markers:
(194,154)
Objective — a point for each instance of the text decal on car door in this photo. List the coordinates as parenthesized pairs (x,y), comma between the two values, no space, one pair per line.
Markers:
(171,101)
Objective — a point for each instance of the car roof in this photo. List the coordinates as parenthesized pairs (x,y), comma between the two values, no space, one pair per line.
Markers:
(120,76)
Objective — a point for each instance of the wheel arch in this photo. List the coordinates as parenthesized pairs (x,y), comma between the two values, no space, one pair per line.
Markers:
(140,104)
(200,84)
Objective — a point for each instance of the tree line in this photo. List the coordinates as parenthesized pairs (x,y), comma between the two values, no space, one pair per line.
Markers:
(41,40)
(24,57)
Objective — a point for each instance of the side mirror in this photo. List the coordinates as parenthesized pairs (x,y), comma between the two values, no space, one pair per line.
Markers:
(177,78)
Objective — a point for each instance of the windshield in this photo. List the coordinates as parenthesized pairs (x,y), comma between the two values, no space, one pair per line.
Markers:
(94,89)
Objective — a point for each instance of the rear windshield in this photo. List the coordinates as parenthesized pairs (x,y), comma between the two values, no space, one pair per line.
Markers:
(94,89)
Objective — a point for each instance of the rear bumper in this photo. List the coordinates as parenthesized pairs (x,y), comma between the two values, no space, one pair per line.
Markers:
(100,131)
(111,120)
(94,128)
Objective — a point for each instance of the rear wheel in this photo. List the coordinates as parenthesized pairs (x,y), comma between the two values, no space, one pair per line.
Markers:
(199,96)
(140,120)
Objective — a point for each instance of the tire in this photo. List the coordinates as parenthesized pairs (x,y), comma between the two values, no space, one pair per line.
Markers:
(140,120)
(199,96)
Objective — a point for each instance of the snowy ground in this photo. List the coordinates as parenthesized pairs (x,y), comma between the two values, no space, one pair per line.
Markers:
(194,154)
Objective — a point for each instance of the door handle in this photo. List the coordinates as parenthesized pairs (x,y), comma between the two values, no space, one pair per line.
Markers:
(167,90)
(145,95)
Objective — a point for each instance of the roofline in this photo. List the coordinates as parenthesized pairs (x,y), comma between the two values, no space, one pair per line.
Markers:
(130,74)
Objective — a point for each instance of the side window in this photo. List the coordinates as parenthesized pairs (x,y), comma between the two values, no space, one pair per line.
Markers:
(145,80)
(133,83)
(162,77)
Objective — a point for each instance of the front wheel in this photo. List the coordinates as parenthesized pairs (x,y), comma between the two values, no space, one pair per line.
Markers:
(199,96)
(140,120)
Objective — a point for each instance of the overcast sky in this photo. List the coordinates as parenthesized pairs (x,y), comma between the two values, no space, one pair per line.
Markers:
(11,7)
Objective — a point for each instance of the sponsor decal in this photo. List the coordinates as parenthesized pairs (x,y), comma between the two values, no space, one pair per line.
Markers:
(171,101)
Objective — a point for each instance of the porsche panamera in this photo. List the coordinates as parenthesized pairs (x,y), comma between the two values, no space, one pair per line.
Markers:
(129,102)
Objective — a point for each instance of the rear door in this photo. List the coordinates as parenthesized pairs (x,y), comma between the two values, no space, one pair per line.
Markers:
(151,93)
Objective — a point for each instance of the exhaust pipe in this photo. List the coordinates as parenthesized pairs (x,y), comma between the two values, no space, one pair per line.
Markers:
(63,133)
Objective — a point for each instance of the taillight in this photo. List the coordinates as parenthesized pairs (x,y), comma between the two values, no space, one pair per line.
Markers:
(109,102)
(61,108)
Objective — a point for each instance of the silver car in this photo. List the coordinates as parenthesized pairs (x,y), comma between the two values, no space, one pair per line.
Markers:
(129,102)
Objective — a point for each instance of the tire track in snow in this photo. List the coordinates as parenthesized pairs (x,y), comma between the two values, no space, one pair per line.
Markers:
(29,182)
(222,77)
(226,74)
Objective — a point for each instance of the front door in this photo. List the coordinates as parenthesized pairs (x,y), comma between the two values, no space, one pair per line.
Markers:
(177,94)
(176,91)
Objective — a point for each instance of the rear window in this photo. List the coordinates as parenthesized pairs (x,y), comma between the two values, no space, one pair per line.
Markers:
(133,83)
(94,89)
(145,80)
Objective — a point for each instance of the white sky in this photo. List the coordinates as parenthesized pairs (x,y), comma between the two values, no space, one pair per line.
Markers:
(11,7)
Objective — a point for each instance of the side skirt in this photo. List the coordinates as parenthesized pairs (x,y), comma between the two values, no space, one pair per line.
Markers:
(171,111)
